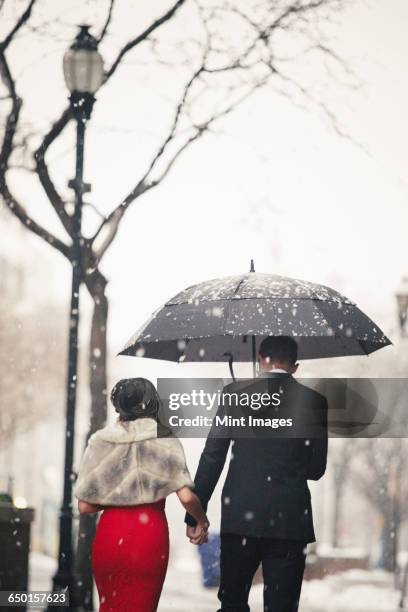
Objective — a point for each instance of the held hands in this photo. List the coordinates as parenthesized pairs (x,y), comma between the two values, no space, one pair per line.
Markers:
(192,504)
(198,534)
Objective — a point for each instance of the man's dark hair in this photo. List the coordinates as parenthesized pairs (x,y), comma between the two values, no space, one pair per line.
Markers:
(281,348)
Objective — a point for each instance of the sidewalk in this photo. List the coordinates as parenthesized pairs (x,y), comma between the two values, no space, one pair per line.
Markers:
(183,590)
(354,590)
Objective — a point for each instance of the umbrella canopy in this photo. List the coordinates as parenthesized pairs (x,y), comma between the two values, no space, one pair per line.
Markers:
(224,319)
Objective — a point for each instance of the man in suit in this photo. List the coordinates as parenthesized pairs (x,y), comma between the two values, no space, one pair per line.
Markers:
(266,515)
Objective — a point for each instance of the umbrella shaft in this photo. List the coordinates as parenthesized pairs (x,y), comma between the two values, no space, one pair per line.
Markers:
(254,356)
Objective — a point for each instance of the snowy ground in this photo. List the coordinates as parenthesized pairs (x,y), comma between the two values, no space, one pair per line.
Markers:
(355,590)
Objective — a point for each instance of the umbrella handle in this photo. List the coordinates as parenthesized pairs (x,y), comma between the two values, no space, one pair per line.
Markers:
(230,362)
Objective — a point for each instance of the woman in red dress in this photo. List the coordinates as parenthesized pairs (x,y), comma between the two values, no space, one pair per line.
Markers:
(127,471)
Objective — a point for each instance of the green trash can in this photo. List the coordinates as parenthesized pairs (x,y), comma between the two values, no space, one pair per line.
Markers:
(15,526)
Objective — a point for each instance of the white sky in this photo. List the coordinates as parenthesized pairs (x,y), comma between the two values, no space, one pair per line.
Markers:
(277,185)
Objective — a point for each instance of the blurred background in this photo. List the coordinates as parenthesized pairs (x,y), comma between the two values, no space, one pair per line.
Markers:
(225,132)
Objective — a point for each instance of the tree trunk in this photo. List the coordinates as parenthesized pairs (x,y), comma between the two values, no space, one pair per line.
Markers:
(389,540)
(338,498)
(387,546)
(96,285)
(341,474)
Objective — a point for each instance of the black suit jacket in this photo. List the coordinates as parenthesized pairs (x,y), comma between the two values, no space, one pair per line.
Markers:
(265,492)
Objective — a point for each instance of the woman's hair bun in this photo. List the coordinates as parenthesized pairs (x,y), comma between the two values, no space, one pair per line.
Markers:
(135,398)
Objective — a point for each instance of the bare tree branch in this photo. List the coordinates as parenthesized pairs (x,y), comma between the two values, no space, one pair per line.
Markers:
(111,224)
(5,154)
(307,95)
(113,220)
(16,208)
(142,186)
(12,117)
(43,173)
(41,166)
(107,22)
(144,35)
(298,7)
(20,22)
(173,128)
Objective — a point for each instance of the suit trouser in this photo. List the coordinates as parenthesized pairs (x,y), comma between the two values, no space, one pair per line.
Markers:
(283,563)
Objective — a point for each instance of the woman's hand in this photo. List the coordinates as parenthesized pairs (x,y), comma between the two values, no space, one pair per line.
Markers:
(190,501)
(192,504)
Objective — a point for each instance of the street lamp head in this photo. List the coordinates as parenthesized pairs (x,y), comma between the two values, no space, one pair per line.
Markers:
(83,72)
(402,303)
(83,64)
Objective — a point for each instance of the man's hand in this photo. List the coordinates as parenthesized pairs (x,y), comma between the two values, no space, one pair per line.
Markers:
(198,534)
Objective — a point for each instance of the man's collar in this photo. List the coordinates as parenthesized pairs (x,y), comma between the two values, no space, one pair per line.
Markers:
(276,373)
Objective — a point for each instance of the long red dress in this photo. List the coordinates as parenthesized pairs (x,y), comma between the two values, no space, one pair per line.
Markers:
(129,557)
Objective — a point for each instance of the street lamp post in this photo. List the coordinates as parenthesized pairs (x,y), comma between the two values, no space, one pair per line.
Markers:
(83,72)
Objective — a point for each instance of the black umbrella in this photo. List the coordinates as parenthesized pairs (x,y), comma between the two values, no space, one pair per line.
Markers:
(226,319)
